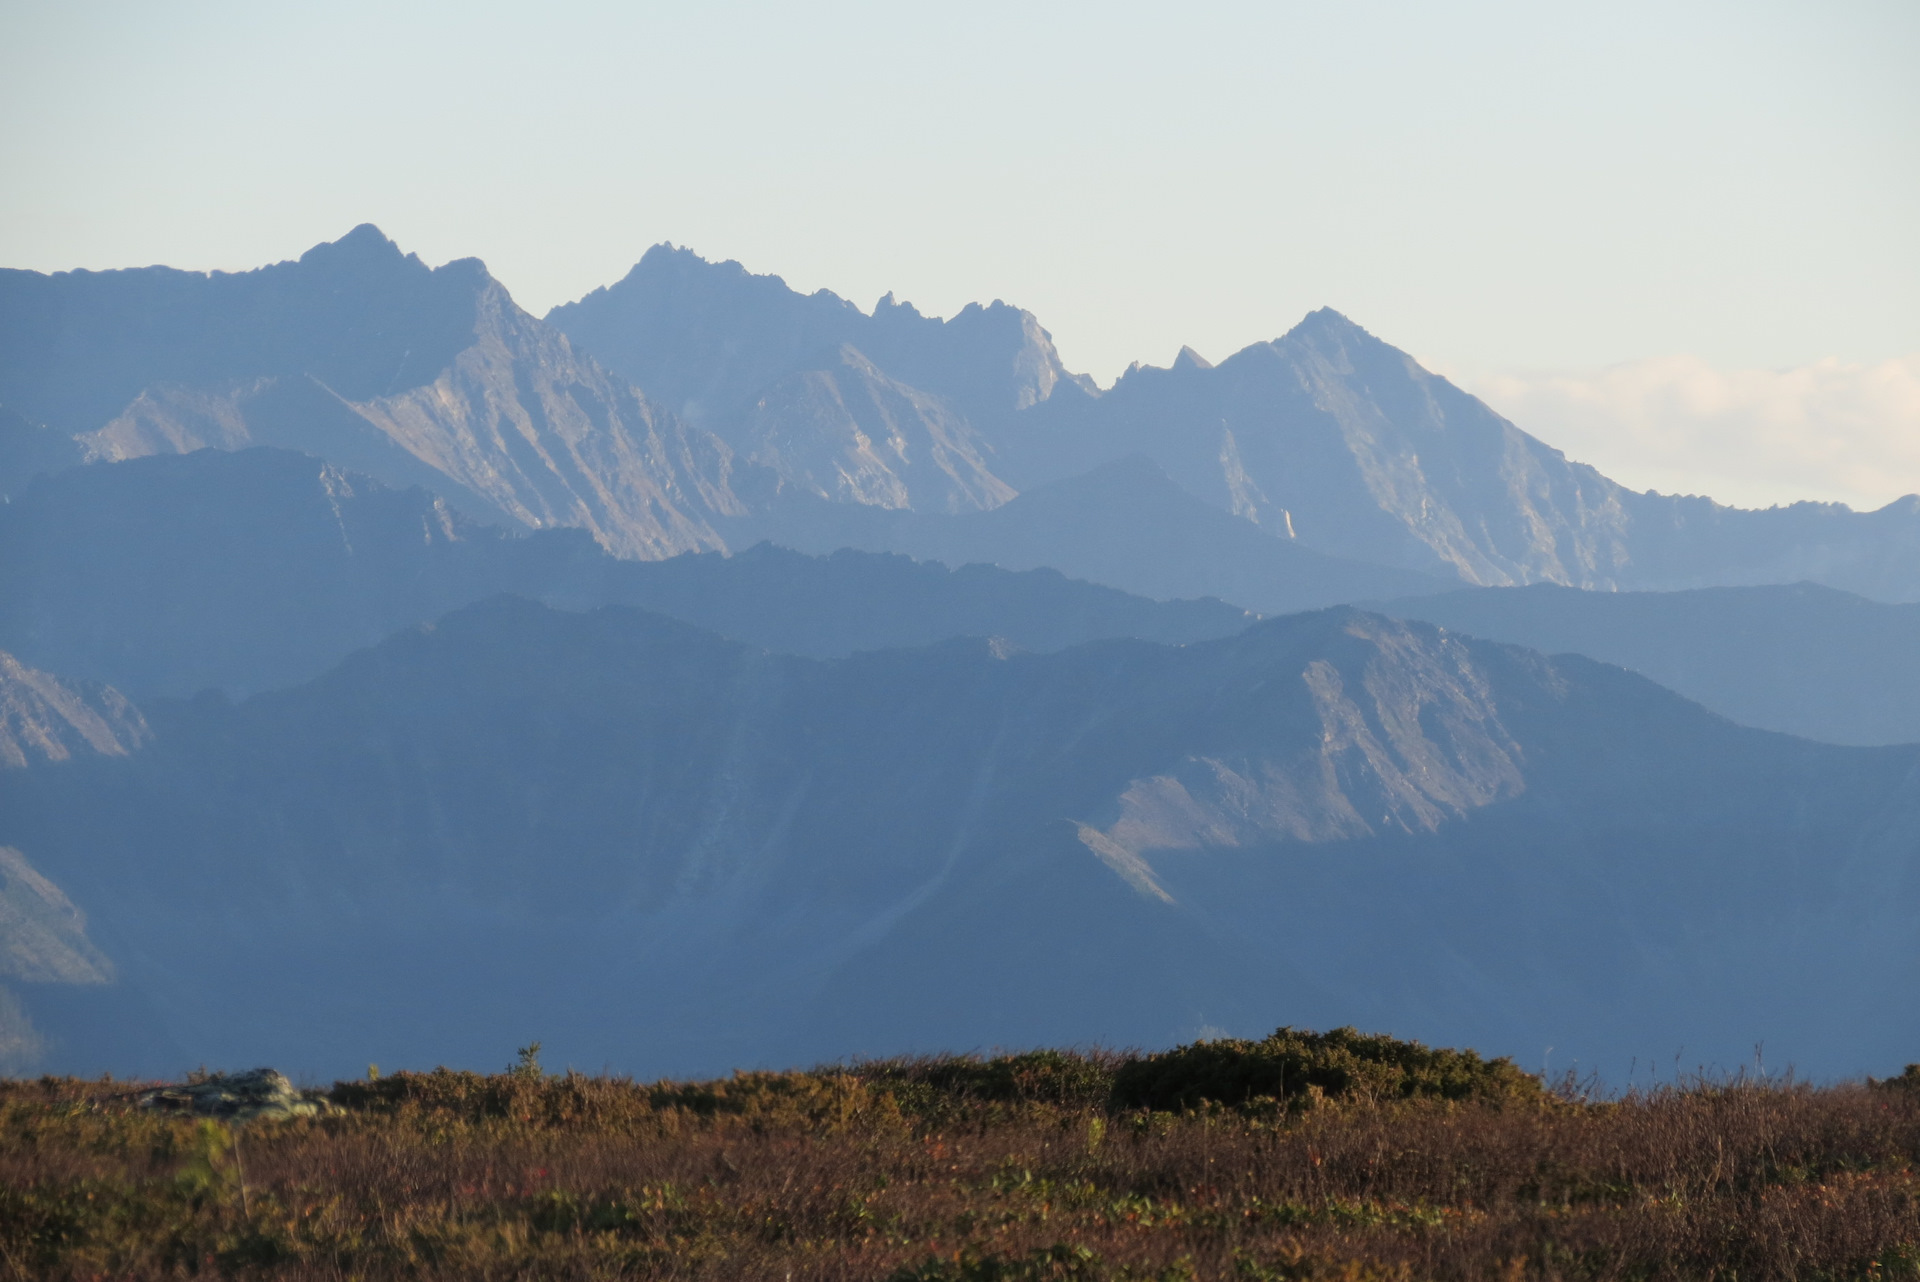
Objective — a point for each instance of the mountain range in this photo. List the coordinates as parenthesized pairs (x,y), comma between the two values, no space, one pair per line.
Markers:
(247,570)
(659,848)
(692,396)
(709,675)
(1797,657)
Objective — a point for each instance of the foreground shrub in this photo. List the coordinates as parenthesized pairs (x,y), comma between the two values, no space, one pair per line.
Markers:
(966,1169)
(1293,1064)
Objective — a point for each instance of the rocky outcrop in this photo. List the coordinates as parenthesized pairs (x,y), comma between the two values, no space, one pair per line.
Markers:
(850,434)
(261,1094)
(1409,738)
(44,719)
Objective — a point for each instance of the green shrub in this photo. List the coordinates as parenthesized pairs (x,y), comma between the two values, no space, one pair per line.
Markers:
(1909,1080)
(1064,1079)
(1293,1064)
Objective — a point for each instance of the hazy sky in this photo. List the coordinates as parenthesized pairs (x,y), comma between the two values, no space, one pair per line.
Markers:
(1497,187)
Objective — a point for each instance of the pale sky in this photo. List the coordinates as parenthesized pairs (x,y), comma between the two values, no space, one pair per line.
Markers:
(1498,187)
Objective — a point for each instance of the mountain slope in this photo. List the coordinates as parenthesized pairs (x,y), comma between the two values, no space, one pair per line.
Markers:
(703,854)
(44,946)
(1331,435)
(42,718)
(259,568)
(1125,523)
(848,433)
(1799,658)
(364,356)
(878,409)
(30,449)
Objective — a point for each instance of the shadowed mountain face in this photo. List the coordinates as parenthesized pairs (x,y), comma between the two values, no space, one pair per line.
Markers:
(367,358)
(30,449)
(44,948)
(357,314)
(1800,658)
(259,568)
(1125,523)
(661,851)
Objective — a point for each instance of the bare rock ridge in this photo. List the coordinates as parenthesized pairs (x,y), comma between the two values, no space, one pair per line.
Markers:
(849,434)
(1345,442)
(44,719)
(884,408)
(704,339)
(367,358)
(762,410)
(1327,436)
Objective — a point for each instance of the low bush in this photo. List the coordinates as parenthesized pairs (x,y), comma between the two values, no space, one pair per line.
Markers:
(1293,1064)
(1042,1167)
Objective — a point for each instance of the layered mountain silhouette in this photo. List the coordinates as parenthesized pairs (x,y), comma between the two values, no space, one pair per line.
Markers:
(710,675)
(1126,523)
(706,338)
(29,450)
(1801,658)
(1327,436)
(1335,437)
(663,851)
(777,403)
(243,571)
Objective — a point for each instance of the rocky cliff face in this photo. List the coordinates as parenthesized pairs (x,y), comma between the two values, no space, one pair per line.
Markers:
(43,718)
(365,357)
(888,409)
(1329,435)
(704,854)
(849,434)
(706,338)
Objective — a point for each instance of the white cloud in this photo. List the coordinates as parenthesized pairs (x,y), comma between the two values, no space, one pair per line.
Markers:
(1834,431)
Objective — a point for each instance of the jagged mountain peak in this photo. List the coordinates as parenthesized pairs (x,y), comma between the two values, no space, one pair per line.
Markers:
(1326,322)
(366,243)
(707,339)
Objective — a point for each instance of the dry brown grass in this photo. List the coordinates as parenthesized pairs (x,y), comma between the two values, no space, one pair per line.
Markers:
(945,1170)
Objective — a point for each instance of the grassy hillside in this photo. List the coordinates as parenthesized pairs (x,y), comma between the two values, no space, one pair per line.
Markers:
(1300,1157)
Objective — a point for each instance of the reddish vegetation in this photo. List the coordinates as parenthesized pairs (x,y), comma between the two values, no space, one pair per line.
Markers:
(945,1169)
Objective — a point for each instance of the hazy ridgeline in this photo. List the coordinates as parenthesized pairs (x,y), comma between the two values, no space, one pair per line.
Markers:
(708,675)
